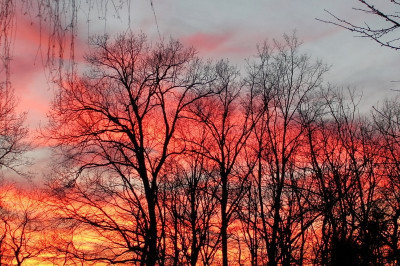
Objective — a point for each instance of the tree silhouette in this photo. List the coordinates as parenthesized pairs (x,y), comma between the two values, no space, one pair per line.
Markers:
(286,82)
(117,127)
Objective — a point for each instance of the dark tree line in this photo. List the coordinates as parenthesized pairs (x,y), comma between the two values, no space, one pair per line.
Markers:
(162,158)
(170,160)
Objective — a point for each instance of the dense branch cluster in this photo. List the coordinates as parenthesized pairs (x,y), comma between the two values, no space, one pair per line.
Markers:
(165,159)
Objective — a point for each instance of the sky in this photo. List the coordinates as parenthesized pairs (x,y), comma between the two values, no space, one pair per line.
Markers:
(219,30)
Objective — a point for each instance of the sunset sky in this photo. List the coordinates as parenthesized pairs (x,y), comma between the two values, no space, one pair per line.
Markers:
(218,30)
(138,152)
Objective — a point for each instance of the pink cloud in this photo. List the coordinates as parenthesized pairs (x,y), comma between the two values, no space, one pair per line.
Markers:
(207,42)
(217,46)
(29,75)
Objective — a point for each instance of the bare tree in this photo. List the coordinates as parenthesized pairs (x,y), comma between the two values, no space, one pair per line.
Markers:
(117,127)
(286,81)
(383,31)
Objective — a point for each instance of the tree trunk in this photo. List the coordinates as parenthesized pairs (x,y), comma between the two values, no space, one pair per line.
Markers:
(224,220)
(152,234)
